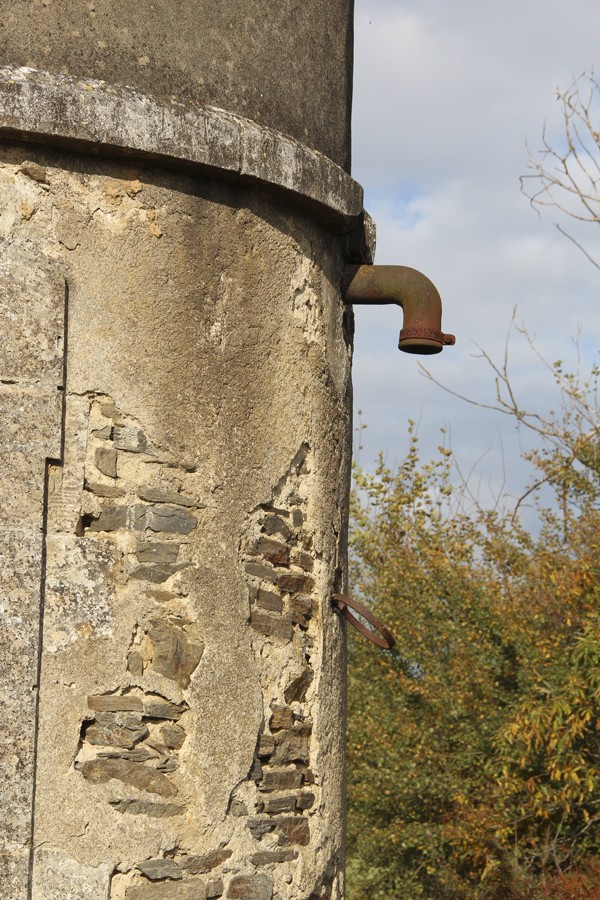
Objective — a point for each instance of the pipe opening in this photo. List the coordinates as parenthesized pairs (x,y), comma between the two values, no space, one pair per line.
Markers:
(409,289)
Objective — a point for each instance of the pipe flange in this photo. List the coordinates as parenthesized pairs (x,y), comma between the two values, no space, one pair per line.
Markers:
(428,334)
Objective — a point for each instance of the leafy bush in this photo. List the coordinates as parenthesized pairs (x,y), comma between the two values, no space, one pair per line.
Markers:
(474,746)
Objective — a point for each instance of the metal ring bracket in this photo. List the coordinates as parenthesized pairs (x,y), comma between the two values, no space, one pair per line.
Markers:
(343,603)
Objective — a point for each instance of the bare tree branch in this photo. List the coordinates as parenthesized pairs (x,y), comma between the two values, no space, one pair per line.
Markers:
(578,245)
(567,177)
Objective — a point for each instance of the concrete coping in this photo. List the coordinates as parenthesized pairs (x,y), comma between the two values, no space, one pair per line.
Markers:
(112,120)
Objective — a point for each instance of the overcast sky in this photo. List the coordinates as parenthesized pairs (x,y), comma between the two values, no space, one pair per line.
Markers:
(446,94)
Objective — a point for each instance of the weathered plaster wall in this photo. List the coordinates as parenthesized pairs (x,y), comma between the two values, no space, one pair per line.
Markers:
(286,64)
(89,115)
(183,540)
(32,294)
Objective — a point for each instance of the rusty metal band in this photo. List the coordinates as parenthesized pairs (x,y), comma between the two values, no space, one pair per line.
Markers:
(429,334)
(343,604)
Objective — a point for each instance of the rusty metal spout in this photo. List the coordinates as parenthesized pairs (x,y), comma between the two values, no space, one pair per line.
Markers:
(408,288)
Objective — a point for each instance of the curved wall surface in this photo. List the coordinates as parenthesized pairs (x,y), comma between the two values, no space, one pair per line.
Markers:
(286,64)
(175,397)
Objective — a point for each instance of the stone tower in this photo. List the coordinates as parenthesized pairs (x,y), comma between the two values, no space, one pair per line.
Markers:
(175,399)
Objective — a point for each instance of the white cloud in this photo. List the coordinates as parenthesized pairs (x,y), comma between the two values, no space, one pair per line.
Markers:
(445,97)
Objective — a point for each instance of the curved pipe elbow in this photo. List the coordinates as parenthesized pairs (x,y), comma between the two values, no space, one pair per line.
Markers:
(405,287)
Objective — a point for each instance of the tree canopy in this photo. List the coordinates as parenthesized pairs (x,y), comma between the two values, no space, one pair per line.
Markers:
(474,746)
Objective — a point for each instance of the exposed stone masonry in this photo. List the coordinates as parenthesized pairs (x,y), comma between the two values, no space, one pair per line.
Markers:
(188,735)
(275,802)
(131,738)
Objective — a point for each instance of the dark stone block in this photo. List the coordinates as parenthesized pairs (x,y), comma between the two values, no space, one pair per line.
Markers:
(138,754)
(280,779)
(170,519)
(190,889)
(303,559)
(174,655)
(269,600)
(163,596)
(301,609)
(135,663)
(104,433)
(127,718)
(271,625)
(274,806)
(281,717)
(295,583)
(158,552)
(292,746)
(146,808)
(138,517)
(305,800)
(156,495)
(261,571)
(273,551)
(114,735)
(158,869)
(115,703)
(105,459)
(129,439)
(295,830)
(214,888)
(265,857)
(251,887)
(237,808)
(99,771)
(163,709)
(110,491)
(259,827)
(172,736)
(276,525)
(200,865)
(296,690)
(266,745)
(156,574)
(112,518)
(269,509)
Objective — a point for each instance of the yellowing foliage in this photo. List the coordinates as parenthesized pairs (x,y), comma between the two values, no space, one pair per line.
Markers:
(474,746)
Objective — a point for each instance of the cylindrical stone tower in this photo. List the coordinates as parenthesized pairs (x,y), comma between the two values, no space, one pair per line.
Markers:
(175,400)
